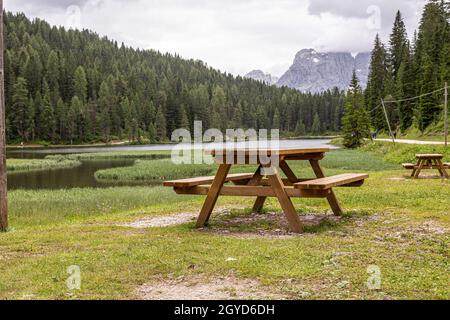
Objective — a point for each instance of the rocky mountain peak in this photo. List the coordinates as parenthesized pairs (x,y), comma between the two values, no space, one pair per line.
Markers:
(259,75)
(314,71)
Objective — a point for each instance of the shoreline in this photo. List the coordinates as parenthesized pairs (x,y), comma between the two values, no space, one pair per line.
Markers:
(126,144)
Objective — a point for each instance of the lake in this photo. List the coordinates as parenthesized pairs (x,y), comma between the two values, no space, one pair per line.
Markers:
(83,175)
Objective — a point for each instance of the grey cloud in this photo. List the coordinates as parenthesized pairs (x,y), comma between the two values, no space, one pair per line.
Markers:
(42,4)
(358,9)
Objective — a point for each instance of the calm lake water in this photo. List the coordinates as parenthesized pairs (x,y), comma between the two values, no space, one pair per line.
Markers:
(83,176)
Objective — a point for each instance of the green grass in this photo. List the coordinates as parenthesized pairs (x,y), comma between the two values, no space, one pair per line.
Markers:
(155,170)
(398,224)
(50,162)
(400,153)
(121,155)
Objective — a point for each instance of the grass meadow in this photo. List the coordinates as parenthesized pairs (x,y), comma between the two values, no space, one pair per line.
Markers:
(395,223)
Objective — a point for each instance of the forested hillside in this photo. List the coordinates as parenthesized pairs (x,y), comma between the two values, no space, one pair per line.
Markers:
(66,86)
(406,69)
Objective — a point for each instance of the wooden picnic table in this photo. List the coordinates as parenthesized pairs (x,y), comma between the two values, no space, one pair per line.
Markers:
(428,161)
(267,181)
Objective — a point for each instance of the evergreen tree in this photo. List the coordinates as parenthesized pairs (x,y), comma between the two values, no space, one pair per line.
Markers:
(406,89)
(300,129)
(105,105)
(61,120)
(183,118)
(128,118)
(46,117)
(276,124)
(160,125)
(80,84)
(19,122)
(356,123)
(72,115)
(397,45)
(375,91)
(152,133)
(433,35)
(315,128)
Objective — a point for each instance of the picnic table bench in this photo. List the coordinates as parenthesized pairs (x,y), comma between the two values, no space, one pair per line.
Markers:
(428,161)
(267,181)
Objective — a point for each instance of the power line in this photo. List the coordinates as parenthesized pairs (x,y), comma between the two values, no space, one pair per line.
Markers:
(409,99)
(375,108)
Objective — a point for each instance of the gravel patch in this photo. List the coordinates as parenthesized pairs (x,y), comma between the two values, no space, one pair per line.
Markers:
(160,222)
(223,288)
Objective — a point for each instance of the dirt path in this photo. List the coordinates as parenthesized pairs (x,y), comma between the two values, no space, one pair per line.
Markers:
(413,141)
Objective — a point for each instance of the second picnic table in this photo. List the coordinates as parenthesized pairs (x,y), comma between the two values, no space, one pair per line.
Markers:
(428,161)
(267,181)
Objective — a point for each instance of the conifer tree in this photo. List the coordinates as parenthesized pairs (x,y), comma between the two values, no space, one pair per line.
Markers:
(276,124)
(72,115)
(397,45)
(356,123)
(375,91)
(315,128)
(20,101)
(80,84)
(433,35)
(405,89)
(160,125)
(300,129)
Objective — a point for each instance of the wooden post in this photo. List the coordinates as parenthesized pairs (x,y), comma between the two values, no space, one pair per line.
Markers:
(446,115)
(3,182)
(387,120)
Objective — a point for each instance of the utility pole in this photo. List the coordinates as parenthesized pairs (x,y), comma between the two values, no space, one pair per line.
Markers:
(3,180)
(446,115)
(387,120)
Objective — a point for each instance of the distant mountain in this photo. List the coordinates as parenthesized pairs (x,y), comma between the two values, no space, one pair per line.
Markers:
(314,71)
(259,75)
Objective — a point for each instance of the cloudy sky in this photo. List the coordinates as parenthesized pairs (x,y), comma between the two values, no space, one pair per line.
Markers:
(234,35)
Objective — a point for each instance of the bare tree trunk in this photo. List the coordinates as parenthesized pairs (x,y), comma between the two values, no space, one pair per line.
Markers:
(3,180)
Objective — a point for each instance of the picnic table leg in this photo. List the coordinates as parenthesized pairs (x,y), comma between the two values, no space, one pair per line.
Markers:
(419,169)
(413,174)
(213,194)
(259,203)
(285,202)
(443,171)
(435,163)
(332,200)
(288,172)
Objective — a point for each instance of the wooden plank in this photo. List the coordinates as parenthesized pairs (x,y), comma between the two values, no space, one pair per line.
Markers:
(429,156)
(408,165)
(288,172)
(205,180)
(213,194)
(286,204)
(330,182)
(254,191)
(331,198)
(263,151)
(255,159)
(426,167)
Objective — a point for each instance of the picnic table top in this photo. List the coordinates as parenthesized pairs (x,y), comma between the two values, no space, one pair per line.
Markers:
(429,156)
(268,151)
